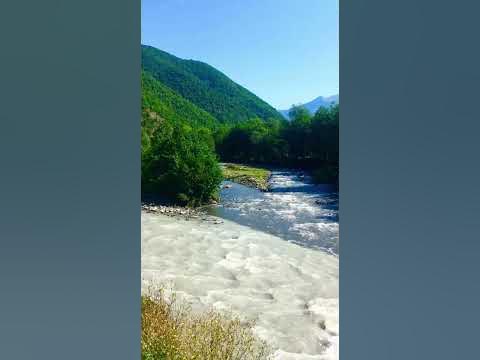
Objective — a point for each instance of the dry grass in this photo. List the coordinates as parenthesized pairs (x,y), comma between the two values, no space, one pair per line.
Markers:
(247,175)
(171,331)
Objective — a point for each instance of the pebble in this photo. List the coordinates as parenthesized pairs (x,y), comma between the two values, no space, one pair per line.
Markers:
(170,210)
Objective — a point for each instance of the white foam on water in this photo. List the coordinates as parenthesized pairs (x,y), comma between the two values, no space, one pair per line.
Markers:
(294,201)
(311,230)
(290,291)
(295,209)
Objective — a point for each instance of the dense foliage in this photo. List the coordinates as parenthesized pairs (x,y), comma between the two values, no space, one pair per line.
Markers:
(206,87)
(306,141)
(191,113)
(178,158)
(170,105)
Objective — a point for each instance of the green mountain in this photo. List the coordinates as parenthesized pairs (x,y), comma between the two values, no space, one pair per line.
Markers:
(160,101)
(179,163)
(205,87)
(162,106)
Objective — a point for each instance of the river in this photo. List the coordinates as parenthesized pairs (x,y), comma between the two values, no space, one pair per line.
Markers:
(295,209)
(272,259)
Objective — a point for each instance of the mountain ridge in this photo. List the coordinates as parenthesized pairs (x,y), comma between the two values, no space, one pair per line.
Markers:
(315,104)
(206,87)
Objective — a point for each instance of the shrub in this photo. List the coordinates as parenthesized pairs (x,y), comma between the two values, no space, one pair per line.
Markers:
(182,165)
(170,330)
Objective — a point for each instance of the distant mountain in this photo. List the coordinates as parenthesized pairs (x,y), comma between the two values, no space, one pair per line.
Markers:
(315,104)
(205,87)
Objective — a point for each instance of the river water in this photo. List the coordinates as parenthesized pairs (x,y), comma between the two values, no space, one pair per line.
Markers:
(295,209)
(248,265)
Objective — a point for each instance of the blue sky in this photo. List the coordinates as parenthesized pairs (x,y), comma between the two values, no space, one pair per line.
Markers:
(284,51)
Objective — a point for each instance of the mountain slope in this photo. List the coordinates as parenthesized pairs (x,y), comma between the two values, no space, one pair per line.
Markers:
(162,106)
(179,163)
(315,104)
(205,87)
(160,100)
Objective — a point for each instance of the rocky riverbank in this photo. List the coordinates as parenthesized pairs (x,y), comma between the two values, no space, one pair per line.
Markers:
(170,210)
(180,212)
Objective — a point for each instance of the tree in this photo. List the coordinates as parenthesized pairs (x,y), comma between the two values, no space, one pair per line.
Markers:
(182,165)
(298,131)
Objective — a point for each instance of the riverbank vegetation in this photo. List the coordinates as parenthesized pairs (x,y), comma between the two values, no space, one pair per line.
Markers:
(247,175)
(178,152)
(193,116)
(171,331)
(307,141)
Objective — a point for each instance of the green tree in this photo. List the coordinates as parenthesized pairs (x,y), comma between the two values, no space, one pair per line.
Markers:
(298,131)
(178,150)
(182,165)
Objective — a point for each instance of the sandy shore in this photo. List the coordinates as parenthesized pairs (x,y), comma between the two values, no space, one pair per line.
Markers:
(291,291)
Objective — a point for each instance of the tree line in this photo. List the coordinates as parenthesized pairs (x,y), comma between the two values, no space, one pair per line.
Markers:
(307,141)
(183,144)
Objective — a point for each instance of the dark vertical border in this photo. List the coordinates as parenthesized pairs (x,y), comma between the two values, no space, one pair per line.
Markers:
(70,180)
(409,187)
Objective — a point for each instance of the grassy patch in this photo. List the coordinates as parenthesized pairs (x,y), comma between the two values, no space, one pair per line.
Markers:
(171,331)
(247,175)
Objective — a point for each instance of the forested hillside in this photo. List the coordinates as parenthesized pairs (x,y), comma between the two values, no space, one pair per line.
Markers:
(205,87)
(193,116)
(169,104)
(178,157)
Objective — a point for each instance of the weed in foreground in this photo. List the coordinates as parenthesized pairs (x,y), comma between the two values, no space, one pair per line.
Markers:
(172,331)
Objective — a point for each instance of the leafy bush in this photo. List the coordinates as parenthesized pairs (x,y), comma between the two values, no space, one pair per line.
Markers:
(182,165)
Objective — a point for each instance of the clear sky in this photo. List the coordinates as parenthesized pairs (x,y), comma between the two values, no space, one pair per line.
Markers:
(284,51)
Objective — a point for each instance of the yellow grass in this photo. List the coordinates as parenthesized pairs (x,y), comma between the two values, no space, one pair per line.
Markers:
(247,175)
(171,331)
